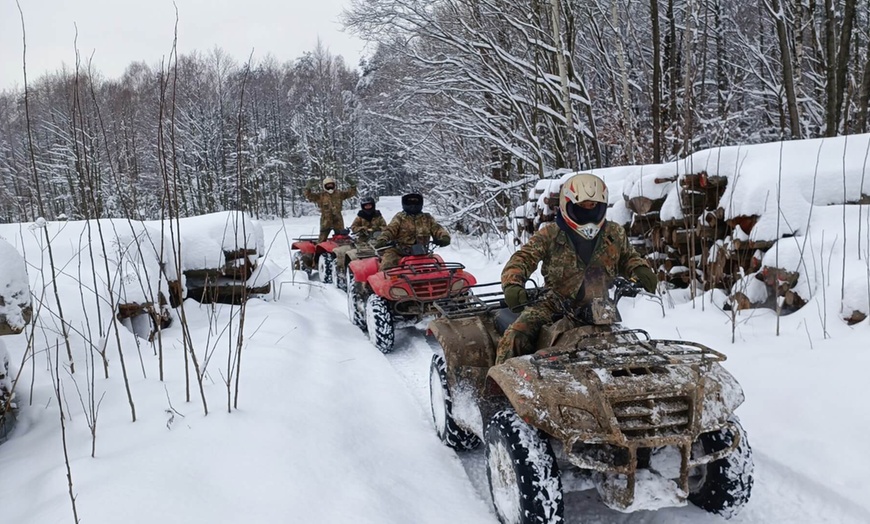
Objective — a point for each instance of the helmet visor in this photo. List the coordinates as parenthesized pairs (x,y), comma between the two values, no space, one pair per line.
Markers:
(587,212)
(412,203)
(329,187)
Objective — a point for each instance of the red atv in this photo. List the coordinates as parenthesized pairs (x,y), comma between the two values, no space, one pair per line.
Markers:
(310,256)
(376,300)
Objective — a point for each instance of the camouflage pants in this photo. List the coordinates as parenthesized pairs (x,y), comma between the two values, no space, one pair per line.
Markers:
(521,337)
(330,222)
(389,259)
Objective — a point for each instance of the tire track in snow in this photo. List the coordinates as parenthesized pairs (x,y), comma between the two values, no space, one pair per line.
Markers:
(779,494)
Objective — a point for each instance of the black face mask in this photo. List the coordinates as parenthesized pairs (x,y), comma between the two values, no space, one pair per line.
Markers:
(329,187)
(412,204)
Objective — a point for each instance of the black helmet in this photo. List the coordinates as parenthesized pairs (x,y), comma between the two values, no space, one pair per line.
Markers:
(412,203)
(366,200)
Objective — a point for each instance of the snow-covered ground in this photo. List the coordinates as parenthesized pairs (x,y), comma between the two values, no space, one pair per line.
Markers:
(328,430)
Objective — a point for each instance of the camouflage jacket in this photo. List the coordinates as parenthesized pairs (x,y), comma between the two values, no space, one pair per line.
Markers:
(564,272)
(329,203)
(408,229)
(363,227)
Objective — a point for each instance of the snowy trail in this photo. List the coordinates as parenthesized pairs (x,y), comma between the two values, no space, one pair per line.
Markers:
(779,495)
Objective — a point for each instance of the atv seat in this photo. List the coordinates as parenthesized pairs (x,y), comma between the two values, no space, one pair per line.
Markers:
(504,318)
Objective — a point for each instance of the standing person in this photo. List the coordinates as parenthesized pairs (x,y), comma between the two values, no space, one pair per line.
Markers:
(581,253)
(329,202)
(410,226)
(368,223)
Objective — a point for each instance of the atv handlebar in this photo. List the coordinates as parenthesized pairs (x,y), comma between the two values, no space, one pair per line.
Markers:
(623,287)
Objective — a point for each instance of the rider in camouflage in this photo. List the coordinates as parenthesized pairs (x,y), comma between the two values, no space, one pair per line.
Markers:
(329,201)
(368,220)
(410,226)
(368,223)
(581,253)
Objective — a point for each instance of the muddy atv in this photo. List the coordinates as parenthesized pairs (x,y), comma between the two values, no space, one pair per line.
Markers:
(649,423)
(379,300)
(308,255)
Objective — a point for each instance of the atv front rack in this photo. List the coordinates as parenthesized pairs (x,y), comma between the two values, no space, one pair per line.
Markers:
(422,269)
(630,349)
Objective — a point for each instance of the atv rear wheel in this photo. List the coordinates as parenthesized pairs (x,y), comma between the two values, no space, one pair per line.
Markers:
(340,278)
(355,305)
(379,323)
(299,263)
(325,267)
(723,487)
(523,476)
(441,403)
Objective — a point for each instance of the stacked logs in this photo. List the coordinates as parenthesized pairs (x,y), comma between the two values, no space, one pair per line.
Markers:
(227,284)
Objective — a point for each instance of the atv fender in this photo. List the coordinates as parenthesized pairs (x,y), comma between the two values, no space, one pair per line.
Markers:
(363,268)
(469,346)
(304,246)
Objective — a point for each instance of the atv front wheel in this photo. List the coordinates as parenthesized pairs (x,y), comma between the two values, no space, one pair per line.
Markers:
(379,322)
(722,487)
(523,476)
(354,302)
(325,266)
(441,403)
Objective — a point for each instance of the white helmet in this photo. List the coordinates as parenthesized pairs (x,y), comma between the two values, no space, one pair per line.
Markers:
(329,181)
(588,218)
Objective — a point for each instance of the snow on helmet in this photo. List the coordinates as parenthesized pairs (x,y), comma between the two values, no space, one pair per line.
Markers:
(367,200)
(329,181)
(412,203)
(583,203)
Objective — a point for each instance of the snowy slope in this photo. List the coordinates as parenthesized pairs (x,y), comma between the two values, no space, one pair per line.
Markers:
(328,430)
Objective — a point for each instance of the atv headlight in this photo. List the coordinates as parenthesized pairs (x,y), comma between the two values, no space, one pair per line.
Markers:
(399,293)
(578,418)
(457,286)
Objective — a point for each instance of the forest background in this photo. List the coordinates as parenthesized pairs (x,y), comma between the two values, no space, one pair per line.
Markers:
(468,101)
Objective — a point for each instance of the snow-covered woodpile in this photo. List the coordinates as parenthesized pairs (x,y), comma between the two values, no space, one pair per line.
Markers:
(15,308)
(749,220)
(221,254)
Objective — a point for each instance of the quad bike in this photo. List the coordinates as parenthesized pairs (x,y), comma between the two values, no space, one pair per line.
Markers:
(377,300)
(649,423)
(309,255)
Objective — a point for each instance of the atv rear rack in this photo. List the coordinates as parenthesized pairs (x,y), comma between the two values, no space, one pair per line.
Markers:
(463,306)
(307,238)
(630,349)
(470,305)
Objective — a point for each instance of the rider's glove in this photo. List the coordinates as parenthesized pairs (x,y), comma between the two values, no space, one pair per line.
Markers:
(441,242)
(515,297)
(646,278)
(381,242)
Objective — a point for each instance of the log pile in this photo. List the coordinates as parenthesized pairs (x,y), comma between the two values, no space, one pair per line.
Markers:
(227,284)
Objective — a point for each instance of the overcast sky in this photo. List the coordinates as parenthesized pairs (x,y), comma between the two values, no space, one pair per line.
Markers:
(118,32)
